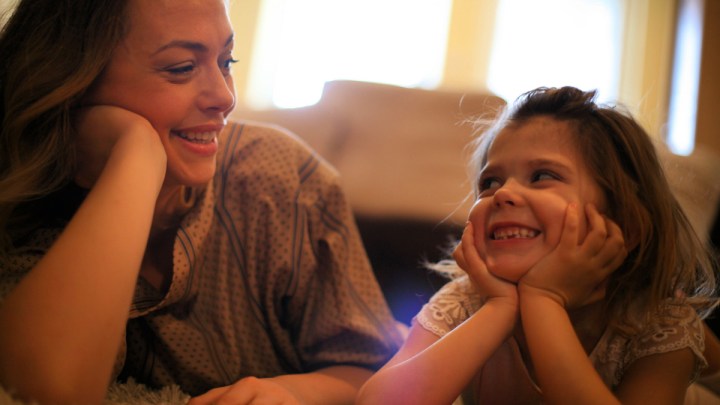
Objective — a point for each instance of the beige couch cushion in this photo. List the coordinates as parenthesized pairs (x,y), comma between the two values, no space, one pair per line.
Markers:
(695,181)
(401,152)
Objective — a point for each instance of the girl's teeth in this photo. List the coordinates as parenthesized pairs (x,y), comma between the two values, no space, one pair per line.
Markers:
(514,233)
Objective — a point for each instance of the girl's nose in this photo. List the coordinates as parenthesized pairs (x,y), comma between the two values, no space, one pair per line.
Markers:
(507,195)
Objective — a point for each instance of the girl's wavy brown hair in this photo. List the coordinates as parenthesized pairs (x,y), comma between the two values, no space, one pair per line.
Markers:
(666,257)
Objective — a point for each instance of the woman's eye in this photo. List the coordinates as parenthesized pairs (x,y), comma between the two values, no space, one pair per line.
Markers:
(227,64)
(181,70)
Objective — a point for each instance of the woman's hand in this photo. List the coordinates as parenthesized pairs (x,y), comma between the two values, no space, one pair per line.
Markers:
(487,284)
(575,273)
(248,391)
(104,130)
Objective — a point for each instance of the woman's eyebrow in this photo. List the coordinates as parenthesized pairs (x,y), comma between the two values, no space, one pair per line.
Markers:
(190,45)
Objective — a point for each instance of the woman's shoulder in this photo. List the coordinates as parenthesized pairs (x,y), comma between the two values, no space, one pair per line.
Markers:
(262,163)
(240,135)
(262,150)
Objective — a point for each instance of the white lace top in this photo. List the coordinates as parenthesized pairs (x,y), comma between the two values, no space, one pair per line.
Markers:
(678,326)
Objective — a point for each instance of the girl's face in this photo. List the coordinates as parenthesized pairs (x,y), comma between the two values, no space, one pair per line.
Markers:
(173,68)
(533,172)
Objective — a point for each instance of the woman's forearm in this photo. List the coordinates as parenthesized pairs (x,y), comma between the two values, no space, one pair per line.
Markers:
(62,324)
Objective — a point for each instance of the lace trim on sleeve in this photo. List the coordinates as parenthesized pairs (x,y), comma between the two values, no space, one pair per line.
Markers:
(680,327)
(449,307)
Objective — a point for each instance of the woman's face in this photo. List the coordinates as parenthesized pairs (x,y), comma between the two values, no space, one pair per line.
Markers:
(173,68)
(532,173)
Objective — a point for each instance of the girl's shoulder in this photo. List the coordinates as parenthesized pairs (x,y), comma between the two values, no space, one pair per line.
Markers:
(674,326)
(450,306)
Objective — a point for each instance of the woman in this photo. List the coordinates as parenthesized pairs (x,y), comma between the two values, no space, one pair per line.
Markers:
(124,189)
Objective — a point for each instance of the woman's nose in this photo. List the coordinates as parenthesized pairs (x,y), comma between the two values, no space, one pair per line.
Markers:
(218,93)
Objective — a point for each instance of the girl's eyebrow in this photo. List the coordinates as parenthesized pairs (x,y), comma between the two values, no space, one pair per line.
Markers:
(542,162)
(190,45)
(533,163)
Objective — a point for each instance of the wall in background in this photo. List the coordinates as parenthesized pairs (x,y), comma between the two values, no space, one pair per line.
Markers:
(648,40)
(645,73)
(708,114)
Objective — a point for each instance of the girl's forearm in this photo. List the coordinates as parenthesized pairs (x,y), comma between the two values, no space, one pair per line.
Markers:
(63,323)
(563,369)
(331,385)
(440,372)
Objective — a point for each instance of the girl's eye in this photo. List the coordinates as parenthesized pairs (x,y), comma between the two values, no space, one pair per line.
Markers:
(541,175)
(488,183)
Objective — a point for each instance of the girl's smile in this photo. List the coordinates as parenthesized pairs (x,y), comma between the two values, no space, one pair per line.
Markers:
(533,172)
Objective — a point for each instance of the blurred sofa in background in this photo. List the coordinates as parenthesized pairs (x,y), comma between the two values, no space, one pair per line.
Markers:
(402,154)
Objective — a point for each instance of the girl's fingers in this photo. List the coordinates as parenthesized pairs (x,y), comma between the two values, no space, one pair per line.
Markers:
(596,232)
(460,249)
(615,249)
(470,253)
(458,256)
(598,293)
(569,237)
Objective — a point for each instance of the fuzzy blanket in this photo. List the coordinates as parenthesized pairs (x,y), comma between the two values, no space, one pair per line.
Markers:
(130,393)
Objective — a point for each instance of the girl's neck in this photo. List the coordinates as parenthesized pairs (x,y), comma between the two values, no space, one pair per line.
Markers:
(589,323)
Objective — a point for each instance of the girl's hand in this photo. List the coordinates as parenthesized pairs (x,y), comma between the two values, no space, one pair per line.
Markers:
(488,285)
(575,273)
(101,129)
(248,391)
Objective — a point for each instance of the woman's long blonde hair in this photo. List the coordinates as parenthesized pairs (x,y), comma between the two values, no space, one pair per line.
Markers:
(52,51)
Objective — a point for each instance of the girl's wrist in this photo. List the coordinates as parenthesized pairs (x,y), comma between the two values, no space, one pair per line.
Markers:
(536,294)
(508,304)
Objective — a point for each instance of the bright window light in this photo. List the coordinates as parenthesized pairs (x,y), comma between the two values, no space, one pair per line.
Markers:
(555,43)
(686,79)
(304,43)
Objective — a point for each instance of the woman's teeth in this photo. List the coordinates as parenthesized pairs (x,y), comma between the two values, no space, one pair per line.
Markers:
(514,233)
(198,137)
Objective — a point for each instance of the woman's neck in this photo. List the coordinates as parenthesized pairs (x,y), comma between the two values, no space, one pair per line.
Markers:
(173,202)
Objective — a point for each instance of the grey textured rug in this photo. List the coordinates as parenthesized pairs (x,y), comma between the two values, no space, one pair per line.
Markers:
(130,393)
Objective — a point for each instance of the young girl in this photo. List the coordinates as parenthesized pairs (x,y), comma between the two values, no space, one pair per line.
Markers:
(125,193)
(584,284)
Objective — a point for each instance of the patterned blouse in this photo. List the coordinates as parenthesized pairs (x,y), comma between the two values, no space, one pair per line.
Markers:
(269,276)
(505,379)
